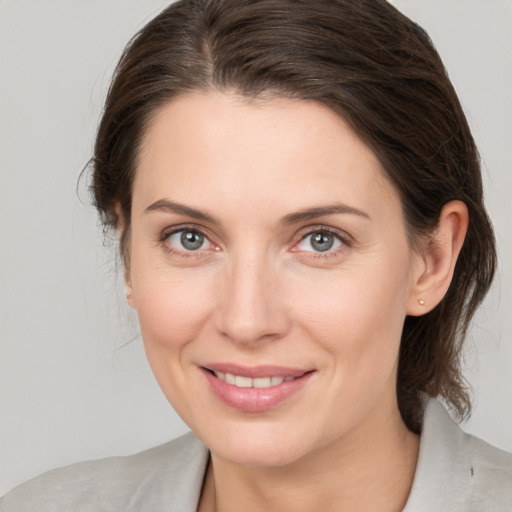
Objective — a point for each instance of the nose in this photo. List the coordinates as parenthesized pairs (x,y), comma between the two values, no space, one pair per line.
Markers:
(250,307)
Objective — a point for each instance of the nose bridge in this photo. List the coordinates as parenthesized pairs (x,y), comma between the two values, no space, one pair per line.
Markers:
(249,310)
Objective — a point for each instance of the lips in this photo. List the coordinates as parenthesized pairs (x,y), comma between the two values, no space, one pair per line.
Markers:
(254,389)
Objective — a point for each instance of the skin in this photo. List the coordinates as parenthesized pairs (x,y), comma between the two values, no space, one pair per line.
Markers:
(257,292)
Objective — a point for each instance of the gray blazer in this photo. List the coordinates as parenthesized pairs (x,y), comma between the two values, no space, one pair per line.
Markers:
(456,472)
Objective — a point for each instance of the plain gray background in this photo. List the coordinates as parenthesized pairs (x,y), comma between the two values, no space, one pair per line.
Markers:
(73,386)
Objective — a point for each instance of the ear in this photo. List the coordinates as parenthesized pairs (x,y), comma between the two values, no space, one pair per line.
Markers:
(128,289)
(435,261)
(120,229)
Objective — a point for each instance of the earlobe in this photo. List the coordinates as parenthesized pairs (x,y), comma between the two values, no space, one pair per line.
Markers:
(120,229)
(128,289)
(437,259)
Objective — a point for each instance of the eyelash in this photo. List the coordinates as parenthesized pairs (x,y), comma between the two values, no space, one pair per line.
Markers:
(345,240)
(176,252)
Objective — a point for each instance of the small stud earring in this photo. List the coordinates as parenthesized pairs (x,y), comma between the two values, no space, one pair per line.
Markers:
(421,302)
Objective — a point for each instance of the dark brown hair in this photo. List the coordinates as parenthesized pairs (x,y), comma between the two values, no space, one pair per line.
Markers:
(374,67)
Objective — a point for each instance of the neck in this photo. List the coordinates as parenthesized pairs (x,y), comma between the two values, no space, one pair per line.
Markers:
(371,468)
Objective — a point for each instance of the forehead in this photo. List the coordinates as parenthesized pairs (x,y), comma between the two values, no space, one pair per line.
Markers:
(222,148)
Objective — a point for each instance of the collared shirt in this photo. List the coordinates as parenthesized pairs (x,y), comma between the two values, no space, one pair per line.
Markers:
(456,472)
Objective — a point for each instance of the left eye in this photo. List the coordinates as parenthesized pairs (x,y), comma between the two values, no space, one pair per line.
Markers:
(188,240)
(319,241)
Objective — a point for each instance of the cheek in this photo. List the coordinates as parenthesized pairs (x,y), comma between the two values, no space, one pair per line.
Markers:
(172,305)
(358,314)
(171,315)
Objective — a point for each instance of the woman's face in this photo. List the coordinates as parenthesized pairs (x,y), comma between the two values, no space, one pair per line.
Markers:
(271,274)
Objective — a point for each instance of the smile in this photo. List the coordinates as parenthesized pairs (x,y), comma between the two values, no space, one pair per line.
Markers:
(247,382)
(255,389)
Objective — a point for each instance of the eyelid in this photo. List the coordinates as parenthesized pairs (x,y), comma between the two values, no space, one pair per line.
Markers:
(345,239)
(319,228)
(171,230)
(166,233)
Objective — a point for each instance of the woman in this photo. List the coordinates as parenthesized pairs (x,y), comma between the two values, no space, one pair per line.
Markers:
(299,206)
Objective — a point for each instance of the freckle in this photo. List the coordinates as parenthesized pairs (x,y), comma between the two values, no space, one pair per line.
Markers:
(472,472)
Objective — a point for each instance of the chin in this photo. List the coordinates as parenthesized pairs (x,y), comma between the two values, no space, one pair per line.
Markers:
(265,445)
(254,454)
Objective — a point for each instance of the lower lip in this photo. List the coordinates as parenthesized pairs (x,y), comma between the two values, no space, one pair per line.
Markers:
(254,399)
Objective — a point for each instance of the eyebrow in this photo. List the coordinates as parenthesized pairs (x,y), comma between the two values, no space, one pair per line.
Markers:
(166,205)
(171,207)
(313,213)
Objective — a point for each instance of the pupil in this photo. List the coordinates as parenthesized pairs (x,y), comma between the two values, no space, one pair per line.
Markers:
(191,240)
(322,242)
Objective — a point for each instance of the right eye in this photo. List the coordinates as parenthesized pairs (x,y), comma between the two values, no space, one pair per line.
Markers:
(188,240)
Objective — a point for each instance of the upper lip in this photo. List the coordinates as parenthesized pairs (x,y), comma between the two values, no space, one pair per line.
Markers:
(256,371)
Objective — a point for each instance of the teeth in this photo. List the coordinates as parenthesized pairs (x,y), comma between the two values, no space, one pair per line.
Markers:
(261,382)
(246,382)
(243,382)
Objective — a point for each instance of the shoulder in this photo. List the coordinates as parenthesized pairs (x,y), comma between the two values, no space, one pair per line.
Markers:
(457,471)
(153,480)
